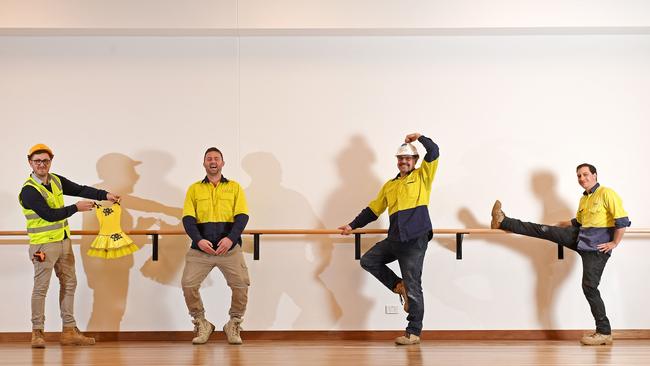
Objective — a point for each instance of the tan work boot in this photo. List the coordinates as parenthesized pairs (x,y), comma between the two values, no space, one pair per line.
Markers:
(597,339)
(202,330)
(38,338)
(72,336)
(232,329)
(407,339)
(497,215)
(400,289)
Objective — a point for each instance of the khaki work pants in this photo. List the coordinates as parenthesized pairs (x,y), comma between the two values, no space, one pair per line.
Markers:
(60,258)
(199,264)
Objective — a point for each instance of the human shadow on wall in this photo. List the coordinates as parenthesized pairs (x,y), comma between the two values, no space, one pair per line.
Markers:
(290,269)
(167,270)
(109,278)
(357,186)
(11,208)
(12,211)
(550,272)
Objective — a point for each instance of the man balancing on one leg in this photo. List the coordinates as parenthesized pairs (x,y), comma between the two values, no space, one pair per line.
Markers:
(407,197)
(597,228)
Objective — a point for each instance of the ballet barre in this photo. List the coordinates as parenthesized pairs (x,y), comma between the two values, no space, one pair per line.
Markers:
(257,233)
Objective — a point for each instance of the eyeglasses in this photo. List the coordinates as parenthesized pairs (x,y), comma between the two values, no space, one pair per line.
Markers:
(405,157)
(41,162)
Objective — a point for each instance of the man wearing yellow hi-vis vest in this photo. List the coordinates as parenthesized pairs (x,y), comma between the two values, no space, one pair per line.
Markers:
(41,198)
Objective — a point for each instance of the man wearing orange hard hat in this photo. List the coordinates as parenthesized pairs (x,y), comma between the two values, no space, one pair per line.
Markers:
(41,198)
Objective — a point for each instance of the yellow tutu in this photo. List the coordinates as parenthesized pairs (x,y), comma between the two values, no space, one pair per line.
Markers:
(111,242)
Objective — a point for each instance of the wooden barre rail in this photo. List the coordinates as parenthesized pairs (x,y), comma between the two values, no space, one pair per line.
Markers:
(460,234)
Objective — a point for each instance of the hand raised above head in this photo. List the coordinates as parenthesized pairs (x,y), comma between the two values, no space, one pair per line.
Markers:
(412,137)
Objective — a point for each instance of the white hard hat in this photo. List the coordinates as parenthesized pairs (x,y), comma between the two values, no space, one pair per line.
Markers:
(407,150)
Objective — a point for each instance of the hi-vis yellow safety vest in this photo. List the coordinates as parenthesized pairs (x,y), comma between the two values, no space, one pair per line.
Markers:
(39,230)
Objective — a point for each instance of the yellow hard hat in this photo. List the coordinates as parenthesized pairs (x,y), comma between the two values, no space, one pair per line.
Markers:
(40,147)
(407,150)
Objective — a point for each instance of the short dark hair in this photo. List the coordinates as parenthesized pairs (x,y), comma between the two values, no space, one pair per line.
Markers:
(40,152)
(211,149)
(592,168)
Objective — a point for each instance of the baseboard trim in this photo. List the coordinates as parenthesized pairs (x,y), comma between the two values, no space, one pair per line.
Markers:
(353,335)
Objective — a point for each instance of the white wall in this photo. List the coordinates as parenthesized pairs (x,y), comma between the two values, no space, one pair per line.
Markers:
(309,125)
(244,15)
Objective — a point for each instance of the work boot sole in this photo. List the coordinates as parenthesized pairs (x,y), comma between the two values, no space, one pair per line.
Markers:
(403,294)
(78,343)
(406,342)
(603,343)
(496,210)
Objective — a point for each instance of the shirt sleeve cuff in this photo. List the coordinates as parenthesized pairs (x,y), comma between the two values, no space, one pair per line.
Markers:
(622,222)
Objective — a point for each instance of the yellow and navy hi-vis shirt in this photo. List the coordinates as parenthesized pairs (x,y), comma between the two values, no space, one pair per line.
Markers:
(600,212)
(406,199)
(213,213)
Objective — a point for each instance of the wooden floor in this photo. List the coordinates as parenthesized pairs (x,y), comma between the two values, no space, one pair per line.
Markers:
(338,353)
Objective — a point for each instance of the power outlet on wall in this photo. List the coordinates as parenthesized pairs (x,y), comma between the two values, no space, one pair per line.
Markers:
(392,309)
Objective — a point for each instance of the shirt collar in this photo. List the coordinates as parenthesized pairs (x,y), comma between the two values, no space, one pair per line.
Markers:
(222,180)
(592,190)
(34,177)
(398,175)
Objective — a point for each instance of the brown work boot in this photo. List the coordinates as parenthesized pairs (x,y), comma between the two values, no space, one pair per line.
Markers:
(72,336)
(497,215)
(38,338)
(232,329)
(400,289)
(597,339)
(202,330)
(407,339)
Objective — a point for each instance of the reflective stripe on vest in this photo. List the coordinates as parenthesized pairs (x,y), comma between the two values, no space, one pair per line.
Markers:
(42,229)
(39,230)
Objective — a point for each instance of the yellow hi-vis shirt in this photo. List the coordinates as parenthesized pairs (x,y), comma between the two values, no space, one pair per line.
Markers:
(215,210)
(600,212)
(406,198)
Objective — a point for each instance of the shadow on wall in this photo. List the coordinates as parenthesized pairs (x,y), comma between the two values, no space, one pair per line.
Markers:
(357,186)
(295,271)
(172,248)
(14,211)
(109,279)
(550,272)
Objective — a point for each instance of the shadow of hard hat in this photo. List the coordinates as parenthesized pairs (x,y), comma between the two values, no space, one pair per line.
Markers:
(115,161)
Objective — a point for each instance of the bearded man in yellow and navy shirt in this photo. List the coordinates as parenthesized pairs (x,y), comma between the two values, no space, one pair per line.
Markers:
(41,198)
(598,228)
(215,214)
(406,196)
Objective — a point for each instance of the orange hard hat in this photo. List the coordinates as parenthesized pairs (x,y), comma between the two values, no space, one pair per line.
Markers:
(40,147)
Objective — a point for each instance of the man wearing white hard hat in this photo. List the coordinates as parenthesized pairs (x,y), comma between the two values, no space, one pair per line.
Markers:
(41,198)
(406,196)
